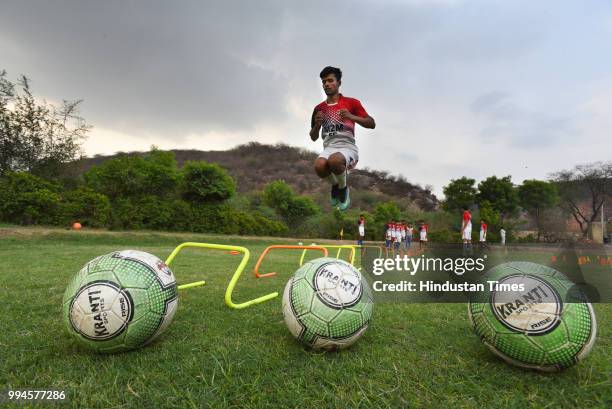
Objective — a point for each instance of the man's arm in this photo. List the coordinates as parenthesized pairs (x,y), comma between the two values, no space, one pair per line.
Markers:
(366,122)
(315,125)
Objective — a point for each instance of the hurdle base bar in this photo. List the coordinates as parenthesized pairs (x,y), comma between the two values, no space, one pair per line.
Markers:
(230,288)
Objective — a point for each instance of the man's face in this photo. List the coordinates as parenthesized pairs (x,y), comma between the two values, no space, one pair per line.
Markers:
(330,84)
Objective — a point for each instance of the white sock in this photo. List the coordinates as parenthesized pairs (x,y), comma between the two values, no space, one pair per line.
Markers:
(342,180)
(331,179)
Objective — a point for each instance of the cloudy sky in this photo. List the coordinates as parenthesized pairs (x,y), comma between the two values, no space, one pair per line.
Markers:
(457,88)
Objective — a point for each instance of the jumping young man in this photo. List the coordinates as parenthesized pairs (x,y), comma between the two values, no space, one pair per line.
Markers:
(334,119)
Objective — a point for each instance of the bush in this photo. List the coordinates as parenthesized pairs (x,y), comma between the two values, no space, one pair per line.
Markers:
(85,206)
(213,218)
(206,182)
(293,209)
(444,236)
(155,174)
(250,223)
(28,199)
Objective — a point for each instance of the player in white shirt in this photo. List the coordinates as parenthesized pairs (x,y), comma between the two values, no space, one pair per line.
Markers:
(403,234)
(398,239)
(361,229)
(409,235)
(423,227)
(389,237)
(466,231)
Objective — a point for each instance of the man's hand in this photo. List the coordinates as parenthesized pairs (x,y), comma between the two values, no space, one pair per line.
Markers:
(318,118)
(345,114)
(367,122)
(318,121)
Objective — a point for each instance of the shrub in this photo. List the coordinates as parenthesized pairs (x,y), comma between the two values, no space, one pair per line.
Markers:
(86,206)
(28,199)
(206,182)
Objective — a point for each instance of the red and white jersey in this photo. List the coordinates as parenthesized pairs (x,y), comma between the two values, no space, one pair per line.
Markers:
(483,227)
(335,130)
(390,231)
(397,232)
(467,219)
(423,232)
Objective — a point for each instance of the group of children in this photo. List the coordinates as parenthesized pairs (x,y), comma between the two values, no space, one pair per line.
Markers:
(398,232)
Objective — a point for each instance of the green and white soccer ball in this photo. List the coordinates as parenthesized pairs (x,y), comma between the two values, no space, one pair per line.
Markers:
(327,304)
(548,325)
(120,301)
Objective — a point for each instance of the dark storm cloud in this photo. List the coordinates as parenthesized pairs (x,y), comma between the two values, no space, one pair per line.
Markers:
(152,65)
(193,66)
(202,74)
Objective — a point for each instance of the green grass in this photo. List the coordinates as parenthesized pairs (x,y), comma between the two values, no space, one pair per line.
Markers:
(413,355)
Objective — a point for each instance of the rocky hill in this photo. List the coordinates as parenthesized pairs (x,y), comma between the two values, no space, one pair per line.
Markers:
(254,164)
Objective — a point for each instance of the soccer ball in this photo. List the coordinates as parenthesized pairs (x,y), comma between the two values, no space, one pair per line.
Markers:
(547,325)
(120,301)
(327,304)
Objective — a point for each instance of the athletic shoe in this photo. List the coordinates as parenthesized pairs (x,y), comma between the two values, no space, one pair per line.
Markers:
(344,198)
(334,195)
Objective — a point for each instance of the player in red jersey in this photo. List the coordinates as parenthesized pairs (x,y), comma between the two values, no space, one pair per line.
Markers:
(483,234)
(423,229)
(466,231)
(334,119)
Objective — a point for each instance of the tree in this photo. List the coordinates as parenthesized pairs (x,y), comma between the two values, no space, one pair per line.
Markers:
(37,137)
(277,195)
(292,208)
(460,194)
(206,182)
(28,199)
(382,214)
(126,176)
(583,190)
(535,197)
(489,214)
(501,194)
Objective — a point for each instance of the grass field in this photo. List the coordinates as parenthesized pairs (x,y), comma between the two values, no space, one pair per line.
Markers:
(413,355)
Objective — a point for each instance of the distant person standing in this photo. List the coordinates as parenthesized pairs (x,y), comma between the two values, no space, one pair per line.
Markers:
(403,236)
(483,233)
(422,235)
(361,231)
(409,234)
(502,235)
(398,239)
(466,231)
(390,227)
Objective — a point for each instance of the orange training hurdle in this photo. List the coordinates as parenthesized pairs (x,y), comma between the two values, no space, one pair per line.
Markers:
(281,246)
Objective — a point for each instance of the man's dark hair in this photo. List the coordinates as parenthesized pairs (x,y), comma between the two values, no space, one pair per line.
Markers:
(331,70)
